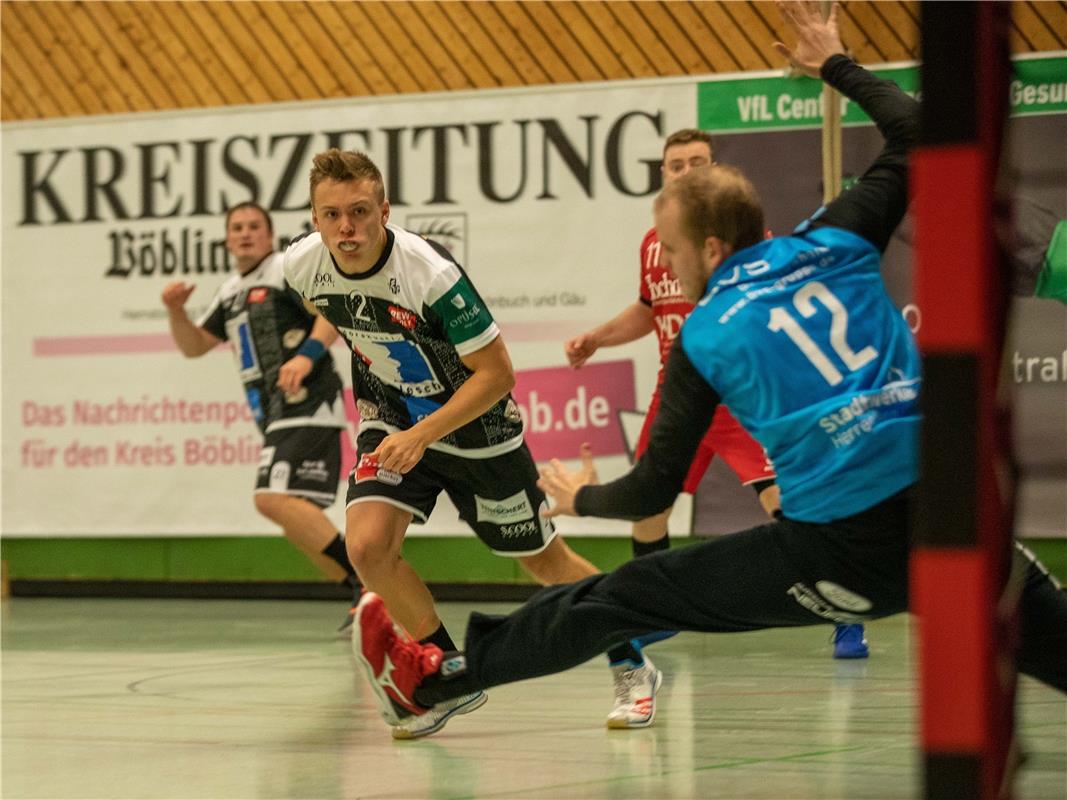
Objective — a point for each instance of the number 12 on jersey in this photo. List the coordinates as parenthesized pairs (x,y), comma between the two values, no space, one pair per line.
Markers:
(782,320)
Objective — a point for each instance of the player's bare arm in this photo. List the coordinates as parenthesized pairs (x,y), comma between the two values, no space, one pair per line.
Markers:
(628,325)
(191,339)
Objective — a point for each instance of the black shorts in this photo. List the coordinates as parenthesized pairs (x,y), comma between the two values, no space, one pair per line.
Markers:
(304,461)
(497,497)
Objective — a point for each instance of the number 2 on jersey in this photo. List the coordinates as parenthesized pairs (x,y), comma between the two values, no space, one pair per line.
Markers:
(782,320)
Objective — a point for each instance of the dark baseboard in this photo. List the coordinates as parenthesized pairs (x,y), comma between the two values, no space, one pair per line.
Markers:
(255,590)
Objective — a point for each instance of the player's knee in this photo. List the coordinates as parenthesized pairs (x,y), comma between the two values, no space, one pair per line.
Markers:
(368,551)
(270,504)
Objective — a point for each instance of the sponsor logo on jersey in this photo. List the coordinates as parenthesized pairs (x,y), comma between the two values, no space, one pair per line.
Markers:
(667,287)
(669,325)
(311,470)
(323,279)
(467,316)
(321,302)
(458,301)
(257,295)
(293,337)
(519,529)
(402,317)
(512,509)
(368,470)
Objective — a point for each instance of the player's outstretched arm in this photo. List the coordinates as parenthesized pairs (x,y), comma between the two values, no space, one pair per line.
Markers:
(628,325)
(191,339)
(875,205)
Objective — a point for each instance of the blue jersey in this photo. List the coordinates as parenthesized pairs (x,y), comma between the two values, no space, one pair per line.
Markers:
(799,338)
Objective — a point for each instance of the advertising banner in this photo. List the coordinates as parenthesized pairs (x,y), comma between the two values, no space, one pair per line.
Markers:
(543,195)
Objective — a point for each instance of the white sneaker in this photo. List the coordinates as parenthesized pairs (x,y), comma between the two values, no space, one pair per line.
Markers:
(434,719)
(635,696)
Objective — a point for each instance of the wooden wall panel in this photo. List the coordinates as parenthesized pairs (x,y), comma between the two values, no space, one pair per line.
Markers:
(73,57)
(408,53)
(176,90)
(24,33)
(565,45)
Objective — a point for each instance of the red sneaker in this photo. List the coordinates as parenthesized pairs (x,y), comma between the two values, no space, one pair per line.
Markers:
(395,665)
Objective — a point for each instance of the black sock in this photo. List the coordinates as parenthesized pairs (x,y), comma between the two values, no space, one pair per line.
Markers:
(440,638)
(644,548)
(625,653)
(335,551)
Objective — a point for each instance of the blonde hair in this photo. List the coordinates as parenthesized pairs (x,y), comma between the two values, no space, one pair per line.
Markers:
(718,201)
(345,165)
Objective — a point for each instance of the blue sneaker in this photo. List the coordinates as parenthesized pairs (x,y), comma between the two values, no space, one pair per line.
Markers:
(849,642)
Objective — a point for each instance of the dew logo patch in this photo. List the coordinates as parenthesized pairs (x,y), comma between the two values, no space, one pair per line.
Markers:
(402,317)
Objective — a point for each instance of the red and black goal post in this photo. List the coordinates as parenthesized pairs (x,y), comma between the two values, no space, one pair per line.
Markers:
(960,566)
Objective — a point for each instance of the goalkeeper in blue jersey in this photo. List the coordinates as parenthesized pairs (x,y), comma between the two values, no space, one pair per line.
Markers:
(798,337)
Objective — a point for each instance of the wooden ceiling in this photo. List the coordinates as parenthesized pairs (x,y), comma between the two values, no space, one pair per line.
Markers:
(63,59)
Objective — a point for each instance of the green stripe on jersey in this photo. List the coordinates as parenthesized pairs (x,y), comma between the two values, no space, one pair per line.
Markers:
(464,314)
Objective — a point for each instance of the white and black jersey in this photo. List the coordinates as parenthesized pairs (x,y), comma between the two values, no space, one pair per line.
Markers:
(408,320)
(265,321)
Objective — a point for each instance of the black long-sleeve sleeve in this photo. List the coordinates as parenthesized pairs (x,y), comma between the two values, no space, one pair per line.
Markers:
(687,405)
(874,206)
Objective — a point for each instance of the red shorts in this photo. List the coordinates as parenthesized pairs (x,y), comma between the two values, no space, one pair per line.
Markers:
(726,438)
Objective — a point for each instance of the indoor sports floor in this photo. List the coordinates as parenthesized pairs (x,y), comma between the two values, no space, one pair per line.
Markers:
(260,699)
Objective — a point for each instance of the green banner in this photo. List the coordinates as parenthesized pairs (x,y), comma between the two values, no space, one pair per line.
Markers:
(775,103)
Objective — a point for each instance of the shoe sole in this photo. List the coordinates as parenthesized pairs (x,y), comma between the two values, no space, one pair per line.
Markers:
(625,725)
(471,705)
(385,703)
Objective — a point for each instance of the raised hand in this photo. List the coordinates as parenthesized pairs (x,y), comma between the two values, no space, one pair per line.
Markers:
(817,39)
(175,294)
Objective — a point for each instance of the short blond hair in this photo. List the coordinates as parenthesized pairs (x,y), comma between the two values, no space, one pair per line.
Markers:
(718,201)
(345,165)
